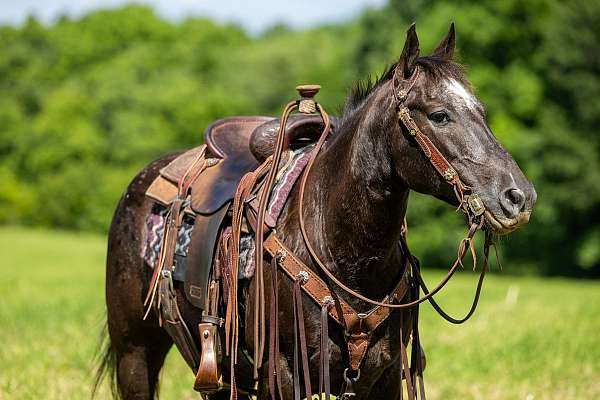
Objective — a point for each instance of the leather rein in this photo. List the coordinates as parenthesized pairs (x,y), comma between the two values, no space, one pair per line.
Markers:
(358,327)
(471,205)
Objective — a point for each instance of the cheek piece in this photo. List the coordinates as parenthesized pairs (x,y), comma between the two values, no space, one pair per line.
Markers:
(469,203)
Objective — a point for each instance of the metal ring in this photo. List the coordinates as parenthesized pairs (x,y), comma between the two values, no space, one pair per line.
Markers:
(354,379)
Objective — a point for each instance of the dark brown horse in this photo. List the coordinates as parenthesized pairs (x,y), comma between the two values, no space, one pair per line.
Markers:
(357,195)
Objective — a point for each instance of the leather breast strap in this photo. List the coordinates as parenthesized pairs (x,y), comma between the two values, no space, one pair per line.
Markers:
(359,327)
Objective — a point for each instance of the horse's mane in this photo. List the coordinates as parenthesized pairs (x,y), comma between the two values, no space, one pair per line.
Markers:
(436,67)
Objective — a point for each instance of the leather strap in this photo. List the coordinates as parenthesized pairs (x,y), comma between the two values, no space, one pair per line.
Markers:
(300,343)
(404,366)
(439,162)
(263,200)
(274,366)
(324,378)
(173,222)
(319,291)
(208,377)
(359,326)
(401,90)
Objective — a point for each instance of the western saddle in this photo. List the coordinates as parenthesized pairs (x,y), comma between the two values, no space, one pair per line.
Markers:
(201,183)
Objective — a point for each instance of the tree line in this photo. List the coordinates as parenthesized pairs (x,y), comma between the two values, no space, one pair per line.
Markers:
(86,102)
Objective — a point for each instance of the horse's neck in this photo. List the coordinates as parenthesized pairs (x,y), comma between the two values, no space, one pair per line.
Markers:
(357,205)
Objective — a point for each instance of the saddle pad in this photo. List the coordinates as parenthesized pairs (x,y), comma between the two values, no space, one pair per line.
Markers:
(155,230)
(155,222)
(286,179)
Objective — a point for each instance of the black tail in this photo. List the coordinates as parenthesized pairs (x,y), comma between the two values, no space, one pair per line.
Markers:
(106,357)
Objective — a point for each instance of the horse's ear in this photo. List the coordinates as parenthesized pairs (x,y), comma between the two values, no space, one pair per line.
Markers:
(410,53)
(445,49)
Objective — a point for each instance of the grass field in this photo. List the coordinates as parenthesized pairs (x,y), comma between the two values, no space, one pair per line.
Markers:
(531,338)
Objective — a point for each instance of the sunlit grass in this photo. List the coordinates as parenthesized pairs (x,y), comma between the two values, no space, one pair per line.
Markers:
(531,338)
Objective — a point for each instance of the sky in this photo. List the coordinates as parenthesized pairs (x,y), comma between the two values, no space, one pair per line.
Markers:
(255,15)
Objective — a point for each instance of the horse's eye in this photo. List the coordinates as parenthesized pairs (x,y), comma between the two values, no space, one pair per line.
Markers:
(440,117)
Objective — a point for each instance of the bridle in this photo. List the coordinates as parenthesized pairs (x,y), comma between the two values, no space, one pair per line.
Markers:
(358,326)
(470,204)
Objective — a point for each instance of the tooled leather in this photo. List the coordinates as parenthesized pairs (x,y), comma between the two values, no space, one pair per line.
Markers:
(436,158)
(357,349)
(359,328)
(313,286)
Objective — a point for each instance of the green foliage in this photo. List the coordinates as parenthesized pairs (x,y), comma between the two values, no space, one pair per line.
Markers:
(86,103)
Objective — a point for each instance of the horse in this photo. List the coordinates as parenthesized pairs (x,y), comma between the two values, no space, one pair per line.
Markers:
(357,195)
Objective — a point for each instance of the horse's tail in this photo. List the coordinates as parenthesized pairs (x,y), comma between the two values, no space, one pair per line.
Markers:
(106,357)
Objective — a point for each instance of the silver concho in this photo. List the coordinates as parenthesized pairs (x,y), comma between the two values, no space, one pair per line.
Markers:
(475,204)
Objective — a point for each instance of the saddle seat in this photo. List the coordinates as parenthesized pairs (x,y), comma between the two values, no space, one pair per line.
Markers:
(239,145)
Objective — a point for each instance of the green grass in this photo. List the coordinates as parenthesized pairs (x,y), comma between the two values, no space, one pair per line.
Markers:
(531,338)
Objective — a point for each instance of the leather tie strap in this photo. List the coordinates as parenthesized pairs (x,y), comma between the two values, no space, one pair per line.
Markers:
(404,366)
(263,200)
(324,381)
(274,367)
(300,341)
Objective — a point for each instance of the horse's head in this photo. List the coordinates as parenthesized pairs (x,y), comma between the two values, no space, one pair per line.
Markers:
(442,104)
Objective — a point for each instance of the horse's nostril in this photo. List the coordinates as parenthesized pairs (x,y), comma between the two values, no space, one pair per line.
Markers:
(516,196)
(512,201)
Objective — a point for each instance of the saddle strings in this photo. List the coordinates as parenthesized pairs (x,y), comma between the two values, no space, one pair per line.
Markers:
(404,367)
(274,366)
(243,191)
(300,341)
(324,381)
(173,221)
(264,195)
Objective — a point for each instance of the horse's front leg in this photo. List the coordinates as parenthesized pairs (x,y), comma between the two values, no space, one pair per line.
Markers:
(286,378)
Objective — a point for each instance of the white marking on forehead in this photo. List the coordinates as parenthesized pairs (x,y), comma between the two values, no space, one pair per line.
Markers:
(459,90)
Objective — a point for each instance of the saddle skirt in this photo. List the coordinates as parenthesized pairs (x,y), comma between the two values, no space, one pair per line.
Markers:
(236,145)
(290,171)
(233,147)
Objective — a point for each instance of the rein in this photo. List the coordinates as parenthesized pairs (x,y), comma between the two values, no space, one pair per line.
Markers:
(471,205)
